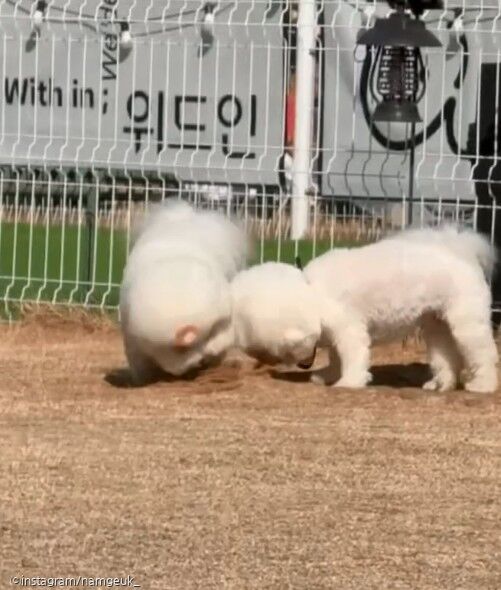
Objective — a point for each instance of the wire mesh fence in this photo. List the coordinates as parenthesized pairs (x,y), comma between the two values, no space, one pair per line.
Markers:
(107,106)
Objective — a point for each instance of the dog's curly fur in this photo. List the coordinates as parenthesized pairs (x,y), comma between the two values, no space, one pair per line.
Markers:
(429,278)
(177,282)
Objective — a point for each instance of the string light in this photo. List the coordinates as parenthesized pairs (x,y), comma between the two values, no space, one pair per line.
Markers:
(207,26)
(125,35)
(38,16)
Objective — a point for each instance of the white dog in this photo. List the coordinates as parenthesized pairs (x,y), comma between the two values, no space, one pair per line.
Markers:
(175,301)
(348,298)
(275,314)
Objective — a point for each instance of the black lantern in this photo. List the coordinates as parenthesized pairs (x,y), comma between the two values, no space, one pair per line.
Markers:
(397,81)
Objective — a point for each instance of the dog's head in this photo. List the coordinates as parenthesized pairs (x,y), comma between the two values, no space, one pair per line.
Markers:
(179,314)
(276,315)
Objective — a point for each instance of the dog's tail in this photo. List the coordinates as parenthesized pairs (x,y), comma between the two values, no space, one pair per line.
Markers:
(480,248)
(466,243)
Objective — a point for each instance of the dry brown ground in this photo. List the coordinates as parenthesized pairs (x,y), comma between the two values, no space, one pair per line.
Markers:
(244,481)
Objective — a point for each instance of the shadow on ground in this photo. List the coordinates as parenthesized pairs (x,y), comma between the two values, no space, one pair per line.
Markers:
(123,379)
(391,375)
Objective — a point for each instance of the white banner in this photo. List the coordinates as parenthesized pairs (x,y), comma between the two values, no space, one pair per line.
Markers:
(364,159)
(198,93)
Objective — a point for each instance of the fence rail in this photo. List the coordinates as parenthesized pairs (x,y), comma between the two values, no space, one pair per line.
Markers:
(260,108)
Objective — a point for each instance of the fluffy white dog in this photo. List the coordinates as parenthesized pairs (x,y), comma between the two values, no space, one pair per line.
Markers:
(347,298)
(175,301)
(275,314)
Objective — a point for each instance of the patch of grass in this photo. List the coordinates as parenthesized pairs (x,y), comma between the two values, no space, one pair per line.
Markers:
(70,264)
(61,263)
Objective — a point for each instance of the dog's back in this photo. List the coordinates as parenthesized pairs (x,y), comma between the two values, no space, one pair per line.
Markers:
(465,243)
(175,229)
(392,283)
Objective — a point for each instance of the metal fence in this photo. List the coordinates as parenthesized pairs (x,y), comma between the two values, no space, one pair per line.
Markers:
(260,108)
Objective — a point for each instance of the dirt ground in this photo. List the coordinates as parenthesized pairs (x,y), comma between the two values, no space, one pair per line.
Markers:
(240,480)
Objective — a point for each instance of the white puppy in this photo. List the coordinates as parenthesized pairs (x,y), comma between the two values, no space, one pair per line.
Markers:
(431,278)
(175,301)
(275,314)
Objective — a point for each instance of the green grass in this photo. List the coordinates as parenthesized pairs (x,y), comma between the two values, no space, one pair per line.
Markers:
(52,263)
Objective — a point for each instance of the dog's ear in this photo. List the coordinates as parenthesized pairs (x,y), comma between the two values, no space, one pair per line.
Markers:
(185,336)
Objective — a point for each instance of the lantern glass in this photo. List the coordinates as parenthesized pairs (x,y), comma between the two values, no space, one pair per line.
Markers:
(395,83)
(398,78)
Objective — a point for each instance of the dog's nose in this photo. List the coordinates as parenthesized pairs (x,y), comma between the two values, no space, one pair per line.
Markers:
(308,363)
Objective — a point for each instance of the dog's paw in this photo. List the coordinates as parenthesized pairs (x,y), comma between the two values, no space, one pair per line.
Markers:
(324,377)
(441,385)
(318,379)
(481,385)
(354,381)
(431,385)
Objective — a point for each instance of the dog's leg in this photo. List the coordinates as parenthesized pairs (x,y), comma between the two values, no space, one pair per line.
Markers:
(470,326)
(443,355)
(329,374)
(353,345)
(345,331)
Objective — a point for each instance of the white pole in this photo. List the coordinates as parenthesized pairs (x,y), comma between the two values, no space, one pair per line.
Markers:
(305,96)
